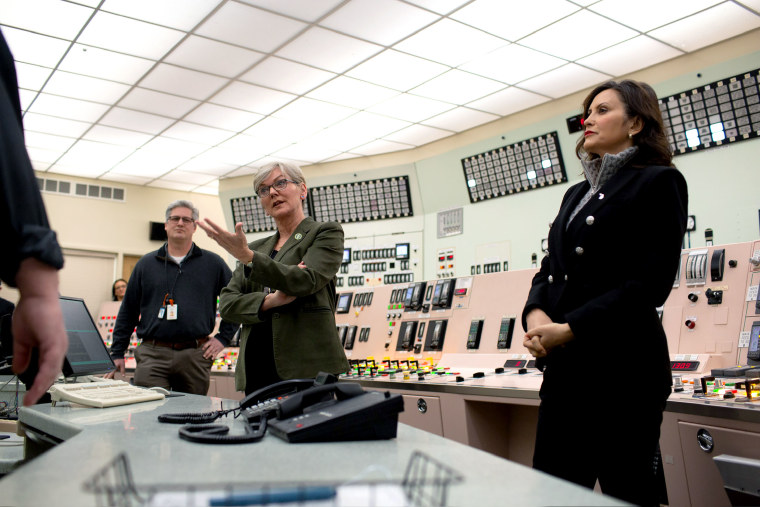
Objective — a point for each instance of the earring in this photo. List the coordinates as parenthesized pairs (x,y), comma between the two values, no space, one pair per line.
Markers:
(630,136)
(303,197)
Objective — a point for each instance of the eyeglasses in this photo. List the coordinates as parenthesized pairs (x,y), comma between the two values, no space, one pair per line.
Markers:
(278,185)
(176,220)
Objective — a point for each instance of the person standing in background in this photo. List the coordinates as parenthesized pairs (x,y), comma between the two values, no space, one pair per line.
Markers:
(30,257)
(118,289)
(614,250)
(171,298)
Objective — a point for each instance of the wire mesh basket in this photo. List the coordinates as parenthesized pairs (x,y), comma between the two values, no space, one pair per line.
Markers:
(426,483)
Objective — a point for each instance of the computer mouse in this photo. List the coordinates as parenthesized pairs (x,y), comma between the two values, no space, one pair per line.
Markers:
(160,390)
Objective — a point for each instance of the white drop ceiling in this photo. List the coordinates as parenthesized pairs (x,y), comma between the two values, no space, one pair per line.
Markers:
(180,93)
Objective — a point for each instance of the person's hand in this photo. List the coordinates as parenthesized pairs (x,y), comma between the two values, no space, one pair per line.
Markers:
(212,348)
(235,244)
(38,323)
(120,367)
(275,299)
(542,339)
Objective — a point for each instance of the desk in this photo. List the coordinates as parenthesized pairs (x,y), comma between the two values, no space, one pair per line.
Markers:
(91,438)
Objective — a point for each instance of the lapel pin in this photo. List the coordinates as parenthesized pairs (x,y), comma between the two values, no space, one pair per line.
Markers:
(601,196)
(299,236)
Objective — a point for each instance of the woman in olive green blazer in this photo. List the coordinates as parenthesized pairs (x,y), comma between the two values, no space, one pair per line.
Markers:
(283,291)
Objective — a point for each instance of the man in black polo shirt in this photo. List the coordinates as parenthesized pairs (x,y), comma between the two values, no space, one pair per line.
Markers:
(171,299)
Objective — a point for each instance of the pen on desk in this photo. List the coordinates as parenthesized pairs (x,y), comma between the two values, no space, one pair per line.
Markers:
(278,495)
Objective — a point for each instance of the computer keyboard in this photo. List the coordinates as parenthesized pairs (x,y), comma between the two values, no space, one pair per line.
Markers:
(108,393)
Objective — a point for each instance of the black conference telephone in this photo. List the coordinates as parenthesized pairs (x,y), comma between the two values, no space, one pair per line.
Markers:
(306,410)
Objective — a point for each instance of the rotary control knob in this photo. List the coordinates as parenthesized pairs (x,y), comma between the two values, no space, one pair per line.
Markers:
(692,297)
(690,323)
(732,263)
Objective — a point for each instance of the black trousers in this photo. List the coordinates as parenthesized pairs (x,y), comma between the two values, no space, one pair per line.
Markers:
(612,438)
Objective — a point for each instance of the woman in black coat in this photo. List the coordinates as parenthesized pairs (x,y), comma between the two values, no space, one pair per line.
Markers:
(591,315)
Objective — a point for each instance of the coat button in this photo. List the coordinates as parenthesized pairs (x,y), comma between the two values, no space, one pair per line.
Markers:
(579,250)
(551,279)
(565,277)
(275,315)
(589,220)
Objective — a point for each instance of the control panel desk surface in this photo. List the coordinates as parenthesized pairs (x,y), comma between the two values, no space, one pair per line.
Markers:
(91,438)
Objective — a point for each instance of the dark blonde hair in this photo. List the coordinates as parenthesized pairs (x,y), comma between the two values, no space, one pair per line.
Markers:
(639,100)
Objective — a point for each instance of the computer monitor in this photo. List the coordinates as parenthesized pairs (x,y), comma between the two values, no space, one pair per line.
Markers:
(87,354)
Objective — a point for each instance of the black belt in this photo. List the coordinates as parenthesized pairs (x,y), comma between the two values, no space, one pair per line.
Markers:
(192,344)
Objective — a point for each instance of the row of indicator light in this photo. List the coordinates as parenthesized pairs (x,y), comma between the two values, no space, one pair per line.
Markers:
(708,387)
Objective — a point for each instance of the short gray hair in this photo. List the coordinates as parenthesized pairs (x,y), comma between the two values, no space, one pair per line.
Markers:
(182,203)
(290,170)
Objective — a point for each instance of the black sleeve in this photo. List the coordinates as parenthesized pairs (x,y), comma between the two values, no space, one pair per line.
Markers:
(227,329)
(23,222)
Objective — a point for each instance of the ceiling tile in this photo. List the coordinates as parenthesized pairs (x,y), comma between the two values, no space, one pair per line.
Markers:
(313,113)
(383,22)
(207,164)
(158,103)
(460,119)
(410,108)
(523,63)
(397,70)
(35,49)
(752,4)
(285,75)
(41,166)
(250,27)
(125,178)
(349,92)
(240,150)
(212,56)
(53,125)
(96,62)
(135,120)
(306,10)
(357,130)
(380,146)
(184,82)
(179,150)
(634,54)
(450,43)
(573,45)
(179,14)
(93,89)
(245,171)
(60,19)
(308,152)
(93,157)
(328,50)
(148,164)
(26,97)
(251,98)
(65,107)
(89,3)
(505,20)
(81,172)
(418,135)
(120,34)
(193,178)
(509,101)
(112,135)
(47,141)
(564,81)
(31,77)
(279,132)
(172,185)
(457,87)
(708,27)
(197,133)
(641,17)
(439,6)
(43,155)
(226,118)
